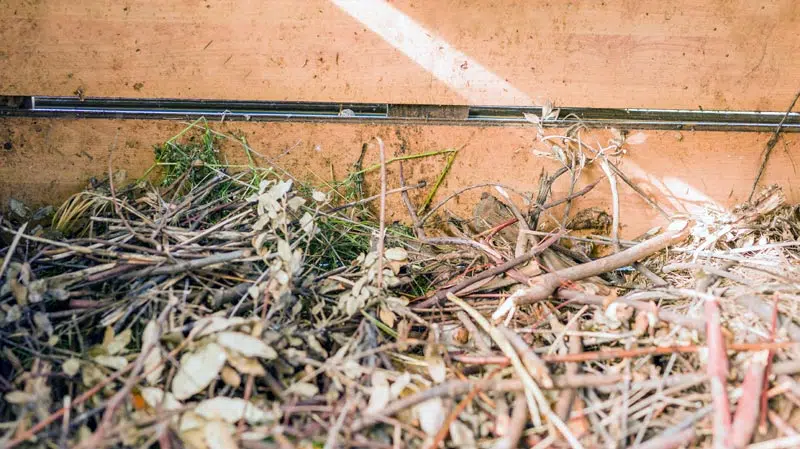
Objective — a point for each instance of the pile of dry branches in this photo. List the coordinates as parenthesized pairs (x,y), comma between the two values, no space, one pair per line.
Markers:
(220,310)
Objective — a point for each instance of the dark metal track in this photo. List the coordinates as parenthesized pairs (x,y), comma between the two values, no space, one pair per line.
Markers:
(172,109)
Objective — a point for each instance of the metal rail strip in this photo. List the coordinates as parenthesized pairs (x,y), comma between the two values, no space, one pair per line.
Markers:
(174,109)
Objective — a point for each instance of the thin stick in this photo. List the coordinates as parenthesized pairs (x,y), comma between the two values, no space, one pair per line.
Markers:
(12,248)
(444,201)
(382,227)
(403,191)
(438,182)
(543,286)
(333,433)
(407,201)
(499,269)
(519,418)
(612,182)
(769,147)
(638,190)
(189,265)
(658,350)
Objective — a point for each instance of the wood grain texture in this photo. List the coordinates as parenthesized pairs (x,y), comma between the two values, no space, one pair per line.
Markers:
(44,161)
(715,54)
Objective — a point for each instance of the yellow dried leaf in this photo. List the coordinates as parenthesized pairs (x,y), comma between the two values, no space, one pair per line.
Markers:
(387,316)
(245,365)
(231,377)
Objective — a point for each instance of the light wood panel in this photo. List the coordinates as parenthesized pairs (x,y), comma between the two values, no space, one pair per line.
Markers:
(43,161)
(716,54)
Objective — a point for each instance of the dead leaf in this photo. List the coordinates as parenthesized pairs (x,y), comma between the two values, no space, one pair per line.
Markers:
(219,435)
(19,397)
(152,363)
(386,315)
(197,370)
(245,365)
(118,342)
(246,345)
(231,377)
(212,324)
(396,254)
(116,362)
(304,389)
(194,438)
(381,393)
(71,366)
(155,398)
(431,415)
(232,410)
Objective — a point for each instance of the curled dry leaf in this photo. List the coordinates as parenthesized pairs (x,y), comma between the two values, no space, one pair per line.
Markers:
(245,365)
(232,410)
(152,363)
(246,345)
(197,370)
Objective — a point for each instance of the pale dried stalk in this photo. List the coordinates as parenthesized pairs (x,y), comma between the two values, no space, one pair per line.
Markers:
(542,287)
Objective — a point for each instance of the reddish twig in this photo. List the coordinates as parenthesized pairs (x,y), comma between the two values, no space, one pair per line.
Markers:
(762,427)
(717,369)
(749,405)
